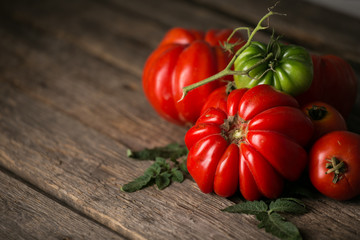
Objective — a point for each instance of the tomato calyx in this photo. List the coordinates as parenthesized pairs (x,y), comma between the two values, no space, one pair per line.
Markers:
(234,129)
(336,166)
(274,50)
(317,112)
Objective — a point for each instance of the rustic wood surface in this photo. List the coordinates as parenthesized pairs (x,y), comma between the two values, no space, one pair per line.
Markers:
(71,104)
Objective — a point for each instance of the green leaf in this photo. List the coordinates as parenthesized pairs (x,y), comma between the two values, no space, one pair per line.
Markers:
(137,184)
(183,167)
(177,176)
(288,205)
(248,207)
(160,160)
(163,180)
(162,172)
(172,151)
(153,170)
(279,227)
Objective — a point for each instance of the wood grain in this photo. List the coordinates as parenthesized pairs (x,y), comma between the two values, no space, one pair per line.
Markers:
(28,214)
(71,104)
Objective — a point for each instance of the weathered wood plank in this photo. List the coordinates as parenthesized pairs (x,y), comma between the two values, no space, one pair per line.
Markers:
(116,31)
(59,105)
(28,214)
(102,96)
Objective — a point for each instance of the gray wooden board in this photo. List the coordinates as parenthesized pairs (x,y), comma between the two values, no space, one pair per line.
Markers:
(28,214)
(71,104)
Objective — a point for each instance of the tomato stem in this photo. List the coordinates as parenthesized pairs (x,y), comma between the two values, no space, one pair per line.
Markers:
(227,70)
(337,167)
(317,112)
(235,129)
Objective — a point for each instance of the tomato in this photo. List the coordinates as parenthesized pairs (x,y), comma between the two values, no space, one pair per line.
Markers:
(216,99)
(253,145)
(334,165)
(334,83)
(325,118)
(289,69)
(185,57)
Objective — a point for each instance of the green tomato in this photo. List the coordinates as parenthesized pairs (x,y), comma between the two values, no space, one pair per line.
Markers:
(289,68)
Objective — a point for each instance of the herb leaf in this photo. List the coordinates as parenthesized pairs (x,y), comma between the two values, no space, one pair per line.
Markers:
(172,151)
(275,224)
(137,184)
(177,175)
(248,207)
(163,180)
(288,205)
(169,166)
(269,217)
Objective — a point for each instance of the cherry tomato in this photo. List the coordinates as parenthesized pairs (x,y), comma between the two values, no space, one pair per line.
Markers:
(324,117)
(185,57)
(334,165)
(253,145)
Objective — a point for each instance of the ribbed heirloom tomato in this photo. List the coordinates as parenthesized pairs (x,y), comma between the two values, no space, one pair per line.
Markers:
(185,57)
(253,144)
(334,83)
(288,69)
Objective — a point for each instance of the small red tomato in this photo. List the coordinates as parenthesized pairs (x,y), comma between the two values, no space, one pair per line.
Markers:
(334,165)
(325,118)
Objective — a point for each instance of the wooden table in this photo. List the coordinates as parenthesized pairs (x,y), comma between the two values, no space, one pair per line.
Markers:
(71,104)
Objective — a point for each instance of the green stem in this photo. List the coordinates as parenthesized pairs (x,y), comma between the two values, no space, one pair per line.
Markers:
(337,167)
(227,70)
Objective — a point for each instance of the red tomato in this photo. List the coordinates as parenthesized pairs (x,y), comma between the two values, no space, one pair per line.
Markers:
(324,117)
(335,165)
(334,83)
(253,145)
(185,57)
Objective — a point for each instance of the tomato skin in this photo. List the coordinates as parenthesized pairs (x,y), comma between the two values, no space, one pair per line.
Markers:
(260,177)
(216,99)
(182,58)
(263,141)
(208,151)
(334,83)
(289,69)
(324,117)
(227,169)
(345,146)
